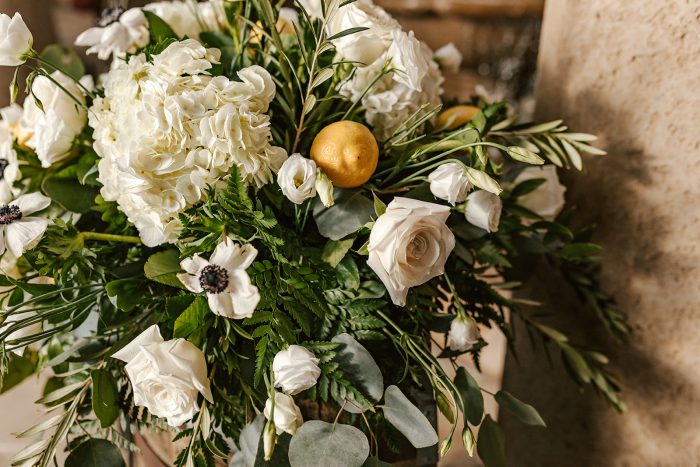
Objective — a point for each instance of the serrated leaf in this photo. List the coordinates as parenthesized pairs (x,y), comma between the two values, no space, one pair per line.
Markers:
(524,412)
(162,267)
(192,319)
(408,419)
(318,443)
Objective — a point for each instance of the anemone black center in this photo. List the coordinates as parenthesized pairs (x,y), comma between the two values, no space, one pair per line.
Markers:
(3,165)
(9,214)
(110,15)
(213,279)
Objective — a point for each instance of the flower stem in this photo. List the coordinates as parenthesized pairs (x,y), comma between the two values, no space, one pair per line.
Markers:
(103,237)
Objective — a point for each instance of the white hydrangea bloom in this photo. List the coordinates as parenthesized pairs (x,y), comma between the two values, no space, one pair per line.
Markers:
(166,130)
(416,80)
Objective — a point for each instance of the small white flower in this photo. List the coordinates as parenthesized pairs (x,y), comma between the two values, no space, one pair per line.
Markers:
(450,182)
(297,178)
(464,333)
(484,210)
(19,231)
(409,245)
(547,200)
(166,376)
(449,58)
(229,289)
(119,32)
(287,416)
(15,40)
(296,369)
(324,188)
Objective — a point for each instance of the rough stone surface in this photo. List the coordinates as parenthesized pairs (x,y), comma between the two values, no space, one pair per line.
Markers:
(630,72)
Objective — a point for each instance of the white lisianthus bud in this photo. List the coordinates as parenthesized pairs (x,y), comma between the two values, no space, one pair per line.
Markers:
(269,440)
(287,416)
(324,188)
(296,369)
(409,245)
(15,40)
(450,182)
(484,210)
(464,333)
(449,58)
(166,376)
(547,200)
(297,178)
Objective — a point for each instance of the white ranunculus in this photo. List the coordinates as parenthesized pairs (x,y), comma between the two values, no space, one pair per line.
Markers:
(450,182)
(166,376)
(464,333)
(123,32)
(15,40)
(324,188)
(19,231)
(547,200)
(449,58)
(166,130)
(224,279)
(287,416)
(296,369)
(55,125)
(484,210)
(409,245)
(297,178)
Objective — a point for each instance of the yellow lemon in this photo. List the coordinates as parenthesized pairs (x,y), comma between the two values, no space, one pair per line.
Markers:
(347,152)
(457,116)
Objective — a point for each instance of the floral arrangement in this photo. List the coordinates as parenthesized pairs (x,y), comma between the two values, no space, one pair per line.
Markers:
(263,230)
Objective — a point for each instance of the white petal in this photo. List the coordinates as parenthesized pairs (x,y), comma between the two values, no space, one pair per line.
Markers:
(194,265)
(24,234)
(191,282)
(230,255)
(221,304)
(244,294)
(147,337)
(31,203)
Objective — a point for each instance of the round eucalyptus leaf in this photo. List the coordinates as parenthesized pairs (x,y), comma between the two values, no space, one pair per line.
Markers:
(319,443)
(408,419)
(95,452)
(359,366)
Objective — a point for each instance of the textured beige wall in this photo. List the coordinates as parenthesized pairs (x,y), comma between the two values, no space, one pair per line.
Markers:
(630,72)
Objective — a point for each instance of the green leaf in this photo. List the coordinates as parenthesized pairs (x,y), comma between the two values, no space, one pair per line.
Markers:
(471,393)
(351,211)
(524,412)
(248,443)
(524,155)
(528,186)
(347,32)
(95,452)
(192,319)
(335,250)
(578,251)
(163,267)
(105,397)
(69,193)
(359,366)
(125,294)
(348,273)
(408,419)
(491,445)
(66,59)
(19,368)
(159,29)
(375,462)
(318,443)
(379,205)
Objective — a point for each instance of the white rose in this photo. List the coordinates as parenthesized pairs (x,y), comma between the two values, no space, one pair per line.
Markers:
(297,178)
(287,416)
(409,245)
(296,369)
(15,40)
(484,210)
(324,188)
(449,58)
(464,333)
(450,182)
(166,376)
(547,200)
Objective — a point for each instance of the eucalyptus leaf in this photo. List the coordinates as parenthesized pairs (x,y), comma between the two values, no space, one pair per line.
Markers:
(359,366)
(524,412)
(408,419)
(318,443)
(58,56)
(491,445)
(95,452)
(248,443)
(351,211)
(471,394)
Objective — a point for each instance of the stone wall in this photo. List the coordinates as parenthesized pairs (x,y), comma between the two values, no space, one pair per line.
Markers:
(630,72)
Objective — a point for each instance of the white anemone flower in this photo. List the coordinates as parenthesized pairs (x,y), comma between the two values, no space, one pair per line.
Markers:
(229,289)
(19,231)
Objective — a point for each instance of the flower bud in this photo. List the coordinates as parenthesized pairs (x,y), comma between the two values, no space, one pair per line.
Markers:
(269,440)
(296,369)
(297,178)
(287,416)
(450,182)
(15,40)
(324,188)
(484,210)
(464,333)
